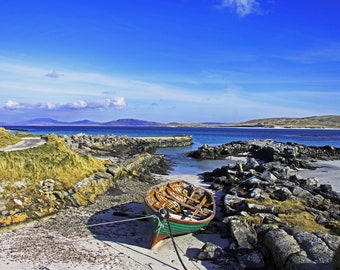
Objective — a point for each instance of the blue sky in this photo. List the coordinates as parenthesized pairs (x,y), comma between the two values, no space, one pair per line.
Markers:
(169,60)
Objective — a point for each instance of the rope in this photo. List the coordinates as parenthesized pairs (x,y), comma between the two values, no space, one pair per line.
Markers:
(164,214)
(175,246)
(160,225)
(119,221)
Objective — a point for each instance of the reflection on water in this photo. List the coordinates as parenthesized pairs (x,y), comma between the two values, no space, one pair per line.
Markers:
(187,165)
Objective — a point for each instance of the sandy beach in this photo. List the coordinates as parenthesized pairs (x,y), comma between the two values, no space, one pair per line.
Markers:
(327,173)
(73,238)
(65,242)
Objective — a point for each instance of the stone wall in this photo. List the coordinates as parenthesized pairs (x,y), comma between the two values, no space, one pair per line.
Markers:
(123,146)
(129,157)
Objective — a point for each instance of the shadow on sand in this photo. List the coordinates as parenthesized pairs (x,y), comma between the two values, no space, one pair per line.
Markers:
(122,224)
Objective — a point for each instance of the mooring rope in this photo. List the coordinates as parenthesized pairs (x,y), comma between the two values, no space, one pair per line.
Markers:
(164,214)
(119,221)
(175,246)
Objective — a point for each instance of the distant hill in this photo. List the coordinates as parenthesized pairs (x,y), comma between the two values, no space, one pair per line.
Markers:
(40,121)
(84,123)
(326,121)
(53,122)
(131,122)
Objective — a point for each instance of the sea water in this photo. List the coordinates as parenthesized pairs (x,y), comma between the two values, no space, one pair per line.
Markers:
(201,135)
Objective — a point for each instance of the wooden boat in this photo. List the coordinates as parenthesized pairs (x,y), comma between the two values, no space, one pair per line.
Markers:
(184,207)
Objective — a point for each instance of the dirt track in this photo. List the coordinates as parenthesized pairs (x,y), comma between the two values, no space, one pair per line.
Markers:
(26,143)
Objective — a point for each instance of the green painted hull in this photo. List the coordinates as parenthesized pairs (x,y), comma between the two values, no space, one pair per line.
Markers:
(179,205)
(161,229)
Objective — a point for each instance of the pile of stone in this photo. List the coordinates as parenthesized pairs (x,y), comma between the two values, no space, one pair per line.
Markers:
(123,146)
(267,151)
(271,217)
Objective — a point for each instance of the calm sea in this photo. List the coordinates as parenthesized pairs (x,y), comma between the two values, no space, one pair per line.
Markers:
(211,136)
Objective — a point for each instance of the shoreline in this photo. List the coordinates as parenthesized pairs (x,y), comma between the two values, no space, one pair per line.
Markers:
(10,126)
(328,172)
(106,235)
(62,241)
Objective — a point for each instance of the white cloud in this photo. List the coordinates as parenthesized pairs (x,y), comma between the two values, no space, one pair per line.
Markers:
(119,102)
(115,103)
(242,7)
(47,105)
(79,104)
(12,105)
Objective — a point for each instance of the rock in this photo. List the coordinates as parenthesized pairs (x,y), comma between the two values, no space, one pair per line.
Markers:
(251,164)
(300,192)
(299,261)
(3,204)
(252,259)
(210,251)
(318,202)
(267,218)
(122,146)
(232,204)
(86,191)
(268,176)
(295,178)
(332,241)
(243,235)
(18,202)
(336,259)
(253,182)
(267,154)
(311,181)
(257,193)
(295,156)
(264,192)
(254,208)
(282,246)
(281,194)
(315,248)
(326,188)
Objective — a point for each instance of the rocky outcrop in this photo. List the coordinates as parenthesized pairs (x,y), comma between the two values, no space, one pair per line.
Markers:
(267,150)
(270,213)
(122,146)
(132,158)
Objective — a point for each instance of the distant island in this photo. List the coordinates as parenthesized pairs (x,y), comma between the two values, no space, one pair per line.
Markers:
(326,121)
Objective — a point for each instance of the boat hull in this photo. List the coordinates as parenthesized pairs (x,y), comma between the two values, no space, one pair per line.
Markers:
(179,225)
(161,230)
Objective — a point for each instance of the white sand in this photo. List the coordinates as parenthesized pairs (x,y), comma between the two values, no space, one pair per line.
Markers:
(123,246)
(327,173)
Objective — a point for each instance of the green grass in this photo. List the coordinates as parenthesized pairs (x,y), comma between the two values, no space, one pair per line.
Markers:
(7,138)
(52,160)
(292,212)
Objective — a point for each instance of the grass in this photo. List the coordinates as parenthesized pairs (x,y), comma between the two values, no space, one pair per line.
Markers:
(23,172)
(292,212)
(7,138)
(52,160)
